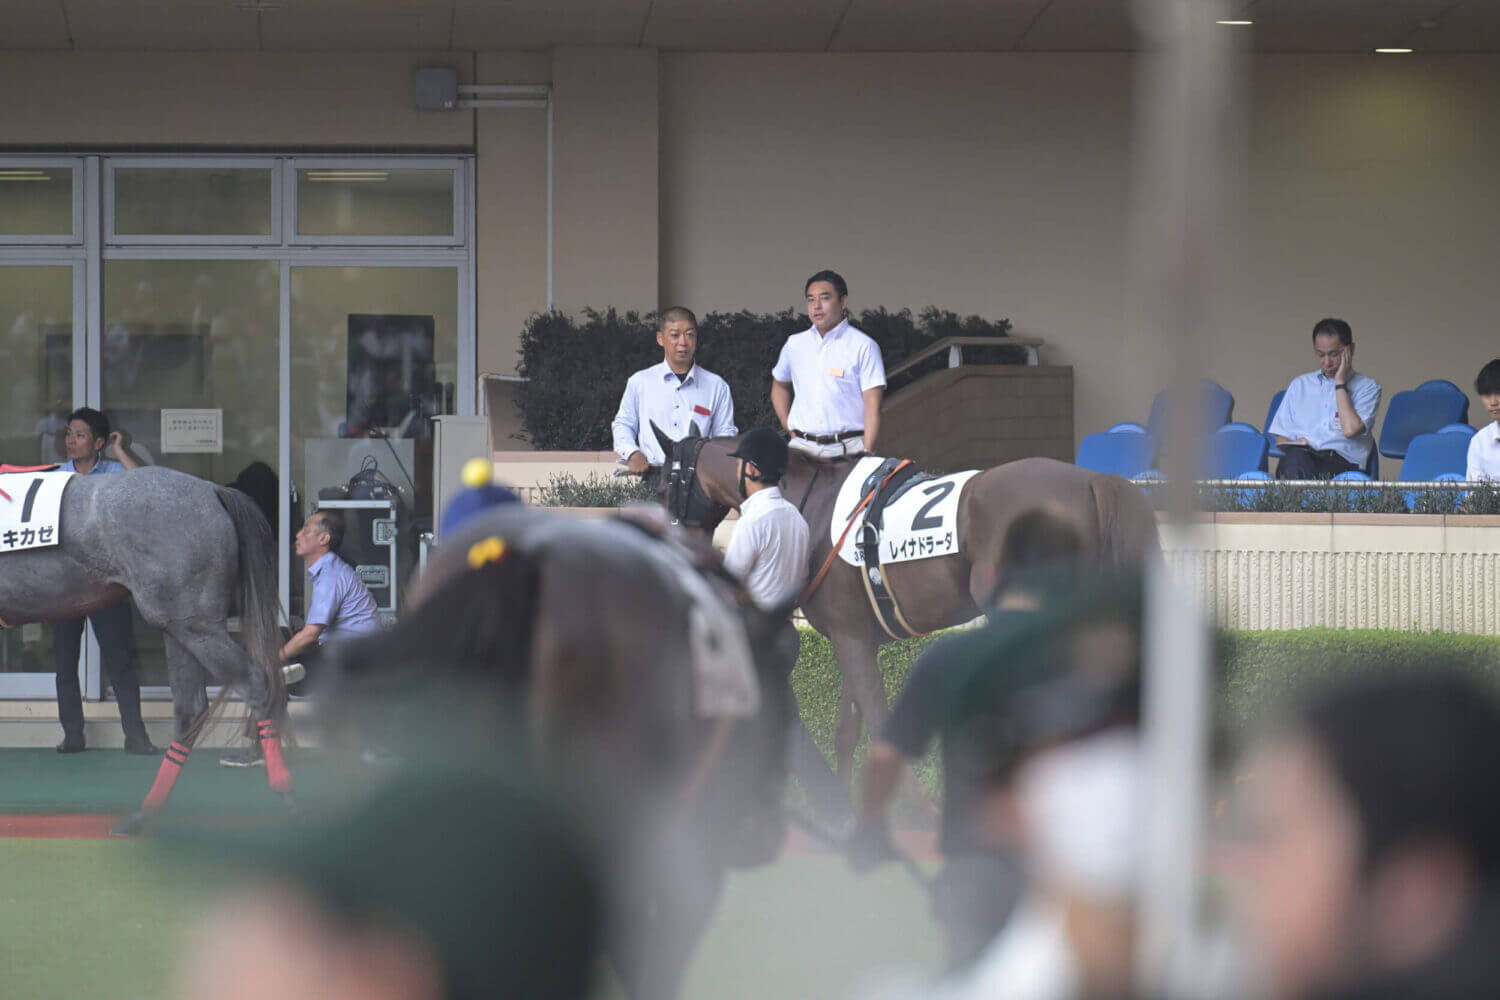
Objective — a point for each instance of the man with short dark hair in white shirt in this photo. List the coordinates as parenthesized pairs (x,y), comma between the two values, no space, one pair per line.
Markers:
(1484,446)
(672,395)
(1326,419)
(837,374)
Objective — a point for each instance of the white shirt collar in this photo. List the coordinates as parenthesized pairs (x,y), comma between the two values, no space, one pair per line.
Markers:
(665,371)
(832,334)
(760,497)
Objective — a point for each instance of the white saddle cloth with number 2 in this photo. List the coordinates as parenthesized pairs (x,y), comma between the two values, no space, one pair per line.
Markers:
(921,524)
(31,509)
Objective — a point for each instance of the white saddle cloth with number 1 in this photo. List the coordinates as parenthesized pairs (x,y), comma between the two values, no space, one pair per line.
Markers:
(31,509)
(921,524)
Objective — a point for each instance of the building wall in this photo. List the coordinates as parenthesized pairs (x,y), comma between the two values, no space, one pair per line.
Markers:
(999,184)
(989,183)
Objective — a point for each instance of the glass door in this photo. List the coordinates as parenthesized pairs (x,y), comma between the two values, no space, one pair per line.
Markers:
(193,335)
(374,353)
(39,304)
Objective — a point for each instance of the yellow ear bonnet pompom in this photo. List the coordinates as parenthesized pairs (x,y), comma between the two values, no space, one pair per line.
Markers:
(477,472)
(491,549)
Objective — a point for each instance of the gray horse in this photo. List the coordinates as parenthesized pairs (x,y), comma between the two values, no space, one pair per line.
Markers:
(190,554)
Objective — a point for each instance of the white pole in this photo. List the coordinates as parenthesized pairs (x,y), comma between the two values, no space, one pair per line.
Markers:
(1186,118)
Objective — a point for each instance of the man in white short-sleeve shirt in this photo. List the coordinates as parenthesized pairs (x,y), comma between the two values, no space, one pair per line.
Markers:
(672,395)
(1325,421)
(1484,447)
(830,378)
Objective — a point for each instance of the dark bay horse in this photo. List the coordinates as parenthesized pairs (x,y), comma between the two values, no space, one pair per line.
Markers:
(1111,514)
(586,636)
(190,554)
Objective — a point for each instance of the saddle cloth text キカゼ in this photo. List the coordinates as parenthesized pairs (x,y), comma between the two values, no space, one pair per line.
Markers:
(31,509)
(920,523)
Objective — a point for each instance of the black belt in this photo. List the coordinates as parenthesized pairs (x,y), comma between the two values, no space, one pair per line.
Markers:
(827,438)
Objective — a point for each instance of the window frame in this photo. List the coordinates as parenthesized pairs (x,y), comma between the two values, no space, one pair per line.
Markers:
(267,163)
(80,182)
(457,237)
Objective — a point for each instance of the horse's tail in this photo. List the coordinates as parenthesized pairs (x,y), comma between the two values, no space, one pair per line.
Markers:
(1128,538)
(258,599)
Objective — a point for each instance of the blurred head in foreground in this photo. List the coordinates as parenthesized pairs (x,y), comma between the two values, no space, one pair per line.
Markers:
(1376,840)
(438,887)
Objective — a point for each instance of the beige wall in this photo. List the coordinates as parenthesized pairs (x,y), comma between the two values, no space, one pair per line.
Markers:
(998,184)
(988,183)
(605,178)
(223,99)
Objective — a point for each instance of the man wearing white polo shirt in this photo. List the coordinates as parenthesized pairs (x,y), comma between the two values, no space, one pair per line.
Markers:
(829,379)
(672,395)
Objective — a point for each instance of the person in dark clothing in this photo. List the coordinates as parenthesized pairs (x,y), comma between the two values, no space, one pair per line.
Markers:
(1374,848)
(88,432)
(980,880)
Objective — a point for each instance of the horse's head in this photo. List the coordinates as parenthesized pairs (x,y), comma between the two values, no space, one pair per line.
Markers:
(690,492)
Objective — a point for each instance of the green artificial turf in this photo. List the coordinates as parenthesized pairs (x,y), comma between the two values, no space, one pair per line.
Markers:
(104,919)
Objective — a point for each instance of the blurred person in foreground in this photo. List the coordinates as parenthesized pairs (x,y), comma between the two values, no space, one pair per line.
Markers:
(1375,851)
(980,881)
(1065,785)
(449,886)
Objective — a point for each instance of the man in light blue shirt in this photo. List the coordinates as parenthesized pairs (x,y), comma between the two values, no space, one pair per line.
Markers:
(672,395)
(341,606)
(1325,424)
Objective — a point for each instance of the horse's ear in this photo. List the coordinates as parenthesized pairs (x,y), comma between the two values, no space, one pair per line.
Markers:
(693,429)
(667,444)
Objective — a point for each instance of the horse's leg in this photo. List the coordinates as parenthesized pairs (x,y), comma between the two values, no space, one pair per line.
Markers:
(189,711)
(863,699)
(232,665)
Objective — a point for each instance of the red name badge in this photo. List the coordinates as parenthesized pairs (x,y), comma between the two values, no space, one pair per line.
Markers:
(702,409)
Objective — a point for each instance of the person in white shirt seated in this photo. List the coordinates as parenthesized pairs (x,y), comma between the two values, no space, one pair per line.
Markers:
(1326,420)
(1484,447)
(830,378)
(672,395)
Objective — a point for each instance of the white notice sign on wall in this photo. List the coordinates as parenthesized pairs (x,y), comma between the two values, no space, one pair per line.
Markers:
(192,431)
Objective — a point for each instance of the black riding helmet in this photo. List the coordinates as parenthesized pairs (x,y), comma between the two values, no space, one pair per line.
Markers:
(766,450)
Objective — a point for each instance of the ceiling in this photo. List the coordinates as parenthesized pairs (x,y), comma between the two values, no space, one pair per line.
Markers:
(722,25)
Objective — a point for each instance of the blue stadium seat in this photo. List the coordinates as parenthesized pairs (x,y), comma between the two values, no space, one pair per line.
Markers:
(1250,494)
(1124,454)
(1273,451)
(1215,403)
(1351,477)
(1127,427)
(1431,455)
(1234,449)
(1463,429)
(1442,385)
(1418,411)
(1150,474)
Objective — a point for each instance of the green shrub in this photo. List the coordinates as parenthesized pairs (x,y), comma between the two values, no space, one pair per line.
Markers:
(1257,671)
(595,491)
(1278,497)
(575,369)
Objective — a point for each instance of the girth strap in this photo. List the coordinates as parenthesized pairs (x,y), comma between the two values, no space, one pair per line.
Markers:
(853,516)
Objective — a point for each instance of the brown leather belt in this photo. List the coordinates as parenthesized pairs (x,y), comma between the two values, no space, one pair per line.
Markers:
(827,438)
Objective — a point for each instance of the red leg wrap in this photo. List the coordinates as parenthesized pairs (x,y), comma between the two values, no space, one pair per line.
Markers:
(276,769)
(166,777)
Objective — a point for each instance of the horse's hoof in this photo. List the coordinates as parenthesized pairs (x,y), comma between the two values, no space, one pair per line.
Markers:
(132,825)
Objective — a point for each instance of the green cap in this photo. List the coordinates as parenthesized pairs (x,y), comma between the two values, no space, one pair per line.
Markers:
(491,874)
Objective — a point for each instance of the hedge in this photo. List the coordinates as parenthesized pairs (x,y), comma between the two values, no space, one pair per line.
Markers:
(1257,671)
(563,490)
(575,369)
(1276,497)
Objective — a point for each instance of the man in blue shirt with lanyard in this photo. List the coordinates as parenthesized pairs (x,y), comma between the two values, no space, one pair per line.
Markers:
(1324,424)
(84,440)
(672,395)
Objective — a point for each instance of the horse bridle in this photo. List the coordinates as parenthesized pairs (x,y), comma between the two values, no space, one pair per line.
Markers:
(688,504)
